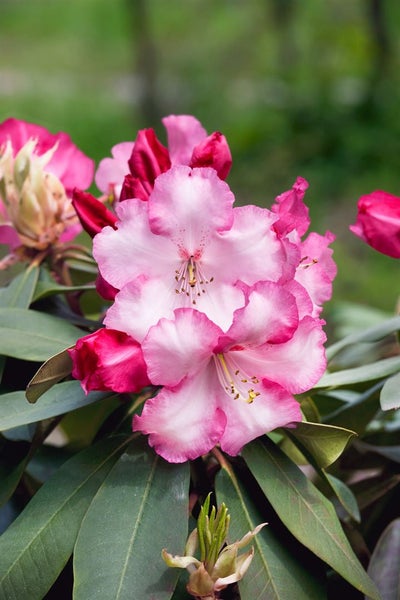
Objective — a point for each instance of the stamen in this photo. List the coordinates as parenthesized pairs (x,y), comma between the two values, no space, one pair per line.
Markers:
(311,261)
(233,380)
(191,280)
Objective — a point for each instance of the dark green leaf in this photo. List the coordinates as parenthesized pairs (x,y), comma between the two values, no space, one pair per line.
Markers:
(275,573)
(15,410)
(345,496)
(358,413)
(10,482)
(384,567)
(35,548)
(139,509)
(51,372)
(309,516)
(19,292)
(48,288)
(31,335)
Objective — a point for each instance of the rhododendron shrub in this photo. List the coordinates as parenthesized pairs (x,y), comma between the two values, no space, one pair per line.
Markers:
(238,273)
(192,378)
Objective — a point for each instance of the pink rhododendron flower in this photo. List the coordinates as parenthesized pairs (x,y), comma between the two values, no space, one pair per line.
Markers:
(142,161)
(37,173)
(109,360)
(378,222)
(186,246)
(229,388)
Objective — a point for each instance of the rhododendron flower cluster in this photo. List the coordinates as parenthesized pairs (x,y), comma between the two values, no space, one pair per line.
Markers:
(38,171)
(216,306)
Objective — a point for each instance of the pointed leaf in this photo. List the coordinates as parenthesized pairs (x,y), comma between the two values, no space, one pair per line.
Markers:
(358,413)
(10,482)
(370,372)
(35,548)
(372,334)
(19,292)
(48,288)
(345,496)
(309,516)
(325,442)
(140,508)
(15,410)
(51,372)
(274,573)
(31,335)
(384,567)
(390,394)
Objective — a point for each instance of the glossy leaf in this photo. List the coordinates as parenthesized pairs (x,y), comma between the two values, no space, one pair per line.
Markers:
(15,410)
(309,516)
(275,573)
(372,334)
(390,394)
(37,545)
(48,288)
(345,496)
(370,372)
(384,566)
(51,372)
(31,335)
(358,413)
(20,291)
(141,507)
(325,442)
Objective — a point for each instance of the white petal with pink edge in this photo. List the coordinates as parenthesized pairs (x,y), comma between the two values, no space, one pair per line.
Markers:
(275,407)
(184,422)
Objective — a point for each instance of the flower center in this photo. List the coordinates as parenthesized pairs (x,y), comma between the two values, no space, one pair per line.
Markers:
(236,383)
(190,280)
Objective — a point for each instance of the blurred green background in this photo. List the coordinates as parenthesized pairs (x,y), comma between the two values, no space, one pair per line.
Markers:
(299,87)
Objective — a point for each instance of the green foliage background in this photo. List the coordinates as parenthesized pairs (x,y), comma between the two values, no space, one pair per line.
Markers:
(299,88)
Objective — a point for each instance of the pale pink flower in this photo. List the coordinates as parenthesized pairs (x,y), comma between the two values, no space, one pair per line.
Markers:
(110,173)
(232,387)
(186,247)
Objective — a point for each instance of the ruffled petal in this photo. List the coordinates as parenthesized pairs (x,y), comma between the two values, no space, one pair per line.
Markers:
(275,407)
(293,213)
(111,171)
(184,132)
(188,205)
(183,422)
(297,364)
(250,251)
(270,315)
(317,268)
(132,249)
(174,349)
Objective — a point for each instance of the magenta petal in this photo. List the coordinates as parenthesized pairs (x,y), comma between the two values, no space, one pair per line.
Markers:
(69,164)
(109,360)
(378,222)
(149,157)
(9,236)
(293,213)
(92,213)
(213,152)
